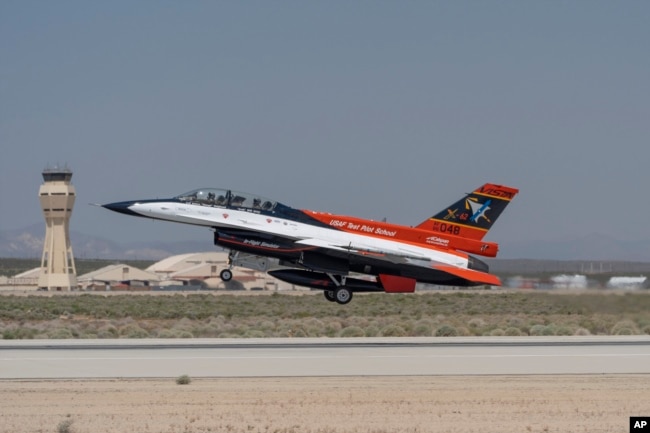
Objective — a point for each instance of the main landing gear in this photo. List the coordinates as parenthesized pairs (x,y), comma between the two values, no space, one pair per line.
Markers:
(340,294)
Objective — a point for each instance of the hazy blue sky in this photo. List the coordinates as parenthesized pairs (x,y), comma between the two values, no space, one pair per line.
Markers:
(370,108)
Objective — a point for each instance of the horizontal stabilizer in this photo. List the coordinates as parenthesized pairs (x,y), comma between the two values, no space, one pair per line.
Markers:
(470,275)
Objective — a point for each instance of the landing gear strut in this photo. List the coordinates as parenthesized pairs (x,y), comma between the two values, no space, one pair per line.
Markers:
(226,274)
(340,294)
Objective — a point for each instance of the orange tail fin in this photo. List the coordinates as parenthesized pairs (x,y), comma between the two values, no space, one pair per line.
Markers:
(473,215)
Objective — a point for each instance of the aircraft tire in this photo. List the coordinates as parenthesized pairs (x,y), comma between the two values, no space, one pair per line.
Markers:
(329,295)
(226,275)
(343,295)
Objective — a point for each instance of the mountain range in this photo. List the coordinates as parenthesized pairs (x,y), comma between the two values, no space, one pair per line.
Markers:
(28,243)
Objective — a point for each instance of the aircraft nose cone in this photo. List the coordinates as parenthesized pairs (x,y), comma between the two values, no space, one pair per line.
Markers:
(121,207)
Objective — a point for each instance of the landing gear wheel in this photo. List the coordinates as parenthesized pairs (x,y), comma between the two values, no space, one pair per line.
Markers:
(329,295)
(343,295)
(226,275)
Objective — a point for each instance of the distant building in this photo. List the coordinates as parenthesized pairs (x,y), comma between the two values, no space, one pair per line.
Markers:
(117,277)
(204,268)
(519,282)
(182,272)
(627,283)
(27,278)
(569,281)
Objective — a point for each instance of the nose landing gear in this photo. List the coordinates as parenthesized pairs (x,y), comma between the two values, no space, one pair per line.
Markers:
(226,275)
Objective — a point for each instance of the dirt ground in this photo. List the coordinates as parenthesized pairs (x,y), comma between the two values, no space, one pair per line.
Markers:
(328,405)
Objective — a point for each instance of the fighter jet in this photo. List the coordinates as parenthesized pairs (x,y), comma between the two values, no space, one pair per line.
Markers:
(340,254)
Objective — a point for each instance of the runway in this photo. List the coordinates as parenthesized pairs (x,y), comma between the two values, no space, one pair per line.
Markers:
(150,358)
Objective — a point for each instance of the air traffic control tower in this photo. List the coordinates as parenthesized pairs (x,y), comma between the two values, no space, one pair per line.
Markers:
(57,199)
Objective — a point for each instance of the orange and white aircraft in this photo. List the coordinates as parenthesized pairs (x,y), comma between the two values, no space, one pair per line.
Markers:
(325,251)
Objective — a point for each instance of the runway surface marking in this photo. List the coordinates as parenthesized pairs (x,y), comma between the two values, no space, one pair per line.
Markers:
(57,360)
(180,358)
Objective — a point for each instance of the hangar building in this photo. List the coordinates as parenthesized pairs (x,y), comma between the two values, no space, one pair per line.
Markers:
(196,271)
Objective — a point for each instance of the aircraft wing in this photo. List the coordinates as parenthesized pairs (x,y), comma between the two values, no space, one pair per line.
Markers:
(394,256)
(404,257)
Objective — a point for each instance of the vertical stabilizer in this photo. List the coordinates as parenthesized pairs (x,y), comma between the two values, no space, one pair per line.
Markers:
(472,216)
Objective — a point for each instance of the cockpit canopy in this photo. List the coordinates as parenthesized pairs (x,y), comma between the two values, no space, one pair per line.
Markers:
(227,198)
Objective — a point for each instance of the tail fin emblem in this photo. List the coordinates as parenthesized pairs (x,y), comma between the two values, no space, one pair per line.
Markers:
(451,214)
(478,209)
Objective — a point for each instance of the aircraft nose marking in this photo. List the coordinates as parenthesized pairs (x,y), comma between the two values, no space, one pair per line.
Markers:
(121,207)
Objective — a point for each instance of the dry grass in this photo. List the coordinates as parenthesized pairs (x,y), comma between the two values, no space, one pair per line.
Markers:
(329,405)
(309,315)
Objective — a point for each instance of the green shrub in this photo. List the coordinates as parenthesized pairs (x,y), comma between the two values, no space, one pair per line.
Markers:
(372,331)
(183,380)
(332,329)
(476,322)
(133,331)
(107,331)
(19,333)
(60,334)
(266,325)
(446,331)
(513,332)
(625,327)
(582,331)
(423,330)
(352,331)
(393,331)
(254,333)
(595,325)
(539,330)
(563,330)
(516,322)
(65,426)
(166,333)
